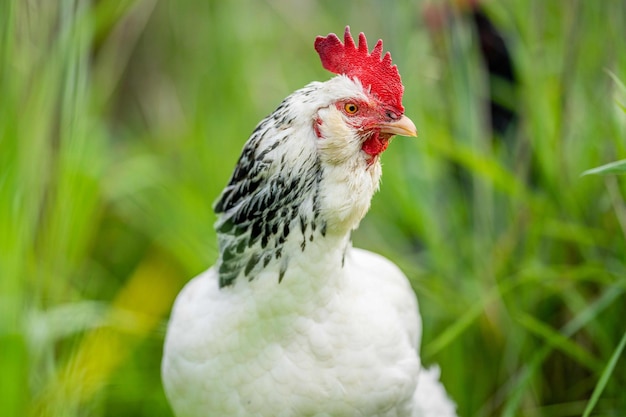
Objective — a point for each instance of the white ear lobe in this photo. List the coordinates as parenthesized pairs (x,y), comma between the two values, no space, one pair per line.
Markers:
(340,142)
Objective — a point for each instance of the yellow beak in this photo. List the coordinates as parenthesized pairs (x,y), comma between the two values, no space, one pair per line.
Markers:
(403,127)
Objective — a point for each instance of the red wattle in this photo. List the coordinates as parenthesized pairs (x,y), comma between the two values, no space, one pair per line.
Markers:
(375,145)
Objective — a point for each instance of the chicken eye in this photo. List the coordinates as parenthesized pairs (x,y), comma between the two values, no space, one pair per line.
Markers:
(351,108)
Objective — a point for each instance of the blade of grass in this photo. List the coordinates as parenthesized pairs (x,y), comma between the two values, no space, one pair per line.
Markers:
(559,341)
(617,167)
(604,378)
(516,387)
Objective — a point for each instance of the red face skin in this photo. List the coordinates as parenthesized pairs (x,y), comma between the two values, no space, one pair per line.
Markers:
(366,117)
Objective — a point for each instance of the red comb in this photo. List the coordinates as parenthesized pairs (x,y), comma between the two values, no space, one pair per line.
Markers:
(372,70)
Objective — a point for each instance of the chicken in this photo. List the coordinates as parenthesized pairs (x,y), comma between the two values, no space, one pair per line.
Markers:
(293,321)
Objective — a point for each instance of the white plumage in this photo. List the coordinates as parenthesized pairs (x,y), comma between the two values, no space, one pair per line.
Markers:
(293,321)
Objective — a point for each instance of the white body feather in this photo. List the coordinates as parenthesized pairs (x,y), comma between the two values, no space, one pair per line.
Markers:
(350,350)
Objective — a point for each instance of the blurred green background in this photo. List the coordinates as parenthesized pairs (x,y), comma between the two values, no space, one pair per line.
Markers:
(120,122)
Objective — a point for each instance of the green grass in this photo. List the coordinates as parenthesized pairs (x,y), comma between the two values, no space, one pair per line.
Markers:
(122,121)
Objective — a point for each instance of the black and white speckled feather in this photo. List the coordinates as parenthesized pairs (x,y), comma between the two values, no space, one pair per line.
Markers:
(267,199)
(275,191)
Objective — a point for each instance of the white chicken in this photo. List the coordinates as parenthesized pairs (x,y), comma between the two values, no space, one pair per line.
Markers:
(293,321)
